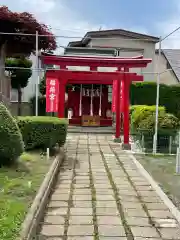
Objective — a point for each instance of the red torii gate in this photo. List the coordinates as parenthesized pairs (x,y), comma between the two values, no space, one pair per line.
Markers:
(122,77)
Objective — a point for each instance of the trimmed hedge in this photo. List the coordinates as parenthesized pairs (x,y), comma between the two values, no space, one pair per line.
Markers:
(145,94)
(42,132)
(11,142)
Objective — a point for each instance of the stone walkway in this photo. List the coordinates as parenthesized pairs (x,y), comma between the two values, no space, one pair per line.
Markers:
(101,195)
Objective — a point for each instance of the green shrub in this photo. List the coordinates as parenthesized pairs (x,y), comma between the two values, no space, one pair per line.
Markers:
(11,142)
(142,112)
(167,124)
(143,123)
(42,132)
(41,105)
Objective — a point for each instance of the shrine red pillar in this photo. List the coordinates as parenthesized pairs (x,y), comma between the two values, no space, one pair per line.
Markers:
(117,110)
(62,90)
(126,145)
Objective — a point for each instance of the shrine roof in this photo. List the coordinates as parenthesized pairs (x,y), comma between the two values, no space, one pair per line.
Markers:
(82,60)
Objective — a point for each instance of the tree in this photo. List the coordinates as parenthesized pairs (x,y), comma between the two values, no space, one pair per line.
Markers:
(17,43)
(19,76)
(42,86)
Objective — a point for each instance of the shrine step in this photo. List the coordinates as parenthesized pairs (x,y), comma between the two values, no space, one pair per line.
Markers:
(102,130)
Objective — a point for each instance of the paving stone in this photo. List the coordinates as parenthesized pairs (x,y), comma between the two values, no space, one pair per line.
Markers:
(144,188)
(160,214)
(140,183)
(147,193)
(135,213)
(138,221)
(81,211)
(104,197)
(144,238)
(56,204)
(151,199)
(85,185)
(146,232)
(127,193)
(104,192)
(165,223)
(64,181)
(61,191)
(82,197)
(102,186)
(112,238)
(60,197)
(125,198)
(111,231)
(106,204)
(81,238)
(82,191)
(156,206)
(170,233)
(109,220)
(57,220)
(52,230)
(82,204)
(81,220)
(107,211)
(57,211)
(132,205)
(86,230)
(62,186)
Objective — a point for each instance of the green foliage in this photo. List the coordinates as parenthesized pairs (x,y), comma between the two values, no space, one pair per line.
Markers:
(145,94)
(143,120)
(11,142)
(142,112)
(41,105)
(19,77)
(42,132)
(42,86)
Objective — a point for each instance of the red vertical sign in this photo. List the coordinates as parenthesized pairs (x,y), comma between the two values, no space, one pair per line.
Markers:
(52,94)
(114,95)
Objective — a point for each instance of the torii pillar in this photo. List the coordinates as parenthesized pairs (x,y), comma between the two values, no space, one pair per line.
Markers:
(125,103)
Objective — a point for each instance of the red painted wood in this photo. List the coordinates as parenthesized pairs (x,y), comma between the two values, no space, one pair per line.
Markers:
(61,104)
(126,108)
(117,109)
(85,77)
(96,61)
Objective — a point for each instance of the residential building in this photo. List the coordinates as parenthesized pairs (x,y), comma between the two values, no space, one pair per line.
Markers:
(168,66)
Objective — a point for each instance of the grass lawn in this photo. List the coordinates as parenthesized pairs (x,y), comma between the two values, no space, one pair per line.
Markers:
(18,187)
(162,169)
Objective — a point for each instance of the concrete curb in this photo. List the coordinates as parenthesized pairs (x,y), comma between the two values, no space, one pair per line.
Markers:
(36,211)
(173,209)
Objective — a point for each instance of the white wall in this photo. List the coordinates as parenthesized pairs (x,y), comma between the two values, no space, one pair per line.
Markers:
(167,77)
(132,48)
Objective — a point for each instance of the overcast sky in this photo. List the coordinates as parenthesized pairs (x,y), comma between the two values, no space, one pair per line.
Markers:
(75,17)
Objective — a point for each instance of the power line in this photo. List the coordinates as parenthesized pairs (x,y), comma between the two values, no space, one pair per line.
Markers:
(70,70)
(73,37)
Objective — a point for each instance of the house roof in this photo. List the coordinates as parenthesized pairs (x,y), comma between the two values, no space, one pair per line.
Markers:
(173,58)
(114,33)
